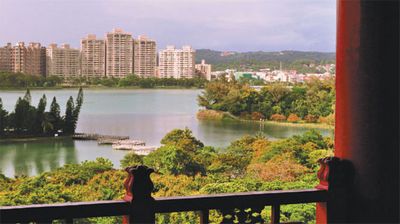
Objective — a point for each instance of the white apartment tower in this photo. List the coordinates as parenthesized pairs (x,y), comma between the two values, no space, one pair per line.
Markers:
(62,61)
(145,56)
(119,54)
(177,63)
(93,57)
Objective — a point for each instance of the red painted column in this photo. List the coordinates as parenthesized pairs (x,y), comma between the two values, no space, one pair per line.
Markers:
(367,106)
(347,65)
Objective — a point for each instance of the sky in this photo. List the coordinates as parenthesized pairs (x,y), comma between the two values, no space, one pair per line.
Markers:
(226,25)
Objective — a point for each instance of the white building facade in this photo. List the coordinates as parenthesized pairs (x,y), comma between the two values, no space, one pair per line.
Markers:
(177,63)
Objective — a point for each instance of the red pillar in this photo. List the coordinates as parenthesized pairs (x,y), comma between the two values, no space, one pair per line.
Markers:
(367,105)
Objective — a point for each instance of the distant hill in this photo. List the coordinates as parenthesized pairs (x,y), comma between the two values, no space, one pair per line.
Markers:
(214,57)
(259,59)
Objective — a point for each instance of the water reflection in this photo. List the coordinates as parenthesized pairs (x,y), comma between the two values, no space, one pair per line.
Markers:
(221,133)
(36,156)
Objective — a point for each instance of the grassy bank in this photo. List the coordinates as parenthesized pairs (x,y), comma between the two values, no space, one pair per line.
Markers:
(221,115)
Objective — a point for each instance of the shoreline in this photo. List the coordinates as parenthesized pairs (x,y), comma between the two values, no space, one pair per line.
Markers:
(31,138)
(93,87)
(212,115)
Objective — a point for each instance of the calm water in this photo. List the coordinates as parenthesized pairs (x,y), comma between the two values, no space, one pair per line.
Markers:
(142,114)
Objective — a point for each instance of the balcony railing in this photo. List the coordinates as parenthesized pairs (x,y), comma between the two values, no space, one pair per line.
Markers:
(139,207)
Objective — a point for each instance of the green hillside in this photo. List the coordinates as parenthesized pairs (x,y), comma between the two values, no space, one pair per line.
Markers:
(299,60)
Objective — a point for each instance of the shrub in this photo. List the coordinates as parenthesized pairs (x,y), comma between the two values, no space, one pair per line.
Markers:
(210,115)
(293,118)
(330,119)
(257,116)
(245,116)
(278,117)
(282,167)
(311,118)
(131,159)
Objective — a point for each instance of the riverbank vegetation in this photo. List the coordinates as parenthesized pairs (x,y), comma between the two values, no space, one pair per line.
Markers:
(10,80)
(185,166)
(311,102)
(29,121)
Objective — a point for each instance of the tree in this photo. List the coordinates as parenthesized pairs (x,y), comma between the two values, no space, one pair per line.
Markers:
(131,159)
(3,118)
(183,139)
(169,159)
(69,120)
(40,122)
(24,115)
(54,115)
(28,97)
(78,105)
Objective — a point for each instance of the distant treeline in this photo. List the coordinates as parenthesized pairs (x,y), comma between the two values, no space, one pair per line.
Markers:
(142,82)
(28,120)
(20,80)
(311,102)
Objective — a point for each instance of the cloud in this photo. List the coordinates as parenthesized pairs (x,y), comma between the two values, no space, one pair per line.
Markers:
(241,25)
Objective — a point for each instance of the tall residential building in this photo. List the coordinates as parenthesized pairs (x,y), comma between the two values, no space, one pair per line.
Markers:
(177,63)
(204,69)
(119,53)
(29,59)
(145,56)
(36,59)
(6,58)
(92,57)
(19,57)
(62,61)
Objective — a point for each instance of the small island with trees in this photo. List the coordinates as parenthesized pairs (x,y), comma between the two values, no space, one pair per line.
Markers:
(29,121)
(306,103)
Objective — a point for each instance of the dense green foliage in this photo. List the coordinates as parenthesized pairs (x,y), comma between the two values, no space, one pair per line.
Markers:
(20,80)
(28,120)
(275,101)
(302,62)
(186,167)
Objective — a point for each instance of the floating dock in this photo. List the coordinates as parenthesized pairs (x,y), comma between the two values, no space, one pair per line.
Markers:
(139,147)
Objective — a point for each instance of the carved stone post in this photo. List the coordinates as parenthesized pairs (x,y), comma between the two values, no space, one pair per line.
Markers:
(138,188)
(336,176)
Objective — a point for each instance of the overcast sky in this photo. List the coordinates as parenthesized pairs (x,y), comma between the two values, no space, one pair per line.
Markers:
(237,25)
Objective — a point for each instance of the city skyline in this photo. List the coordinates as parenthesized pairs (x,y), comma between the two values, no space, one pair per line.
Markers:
(238,26)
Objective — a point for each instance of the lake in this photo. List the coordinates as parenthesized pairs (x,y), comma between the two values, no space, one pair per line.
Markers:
(142,114)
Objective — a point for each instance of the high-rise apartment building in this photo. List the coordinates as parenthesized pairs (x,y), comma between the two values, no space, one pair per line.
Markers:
(62,61)
(119,54)
(19,57)
(145,56)
(204,69)
(93,57)
(177,63)
(29,59)
(6,58)
(35,59)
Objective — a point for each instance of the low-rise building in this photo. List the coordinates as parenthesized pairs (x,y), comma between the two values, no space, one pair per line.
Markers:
(204,69)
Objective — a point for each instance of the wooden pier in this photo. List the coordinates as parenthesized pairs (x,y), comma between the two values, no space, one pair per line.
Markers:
(102,139)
